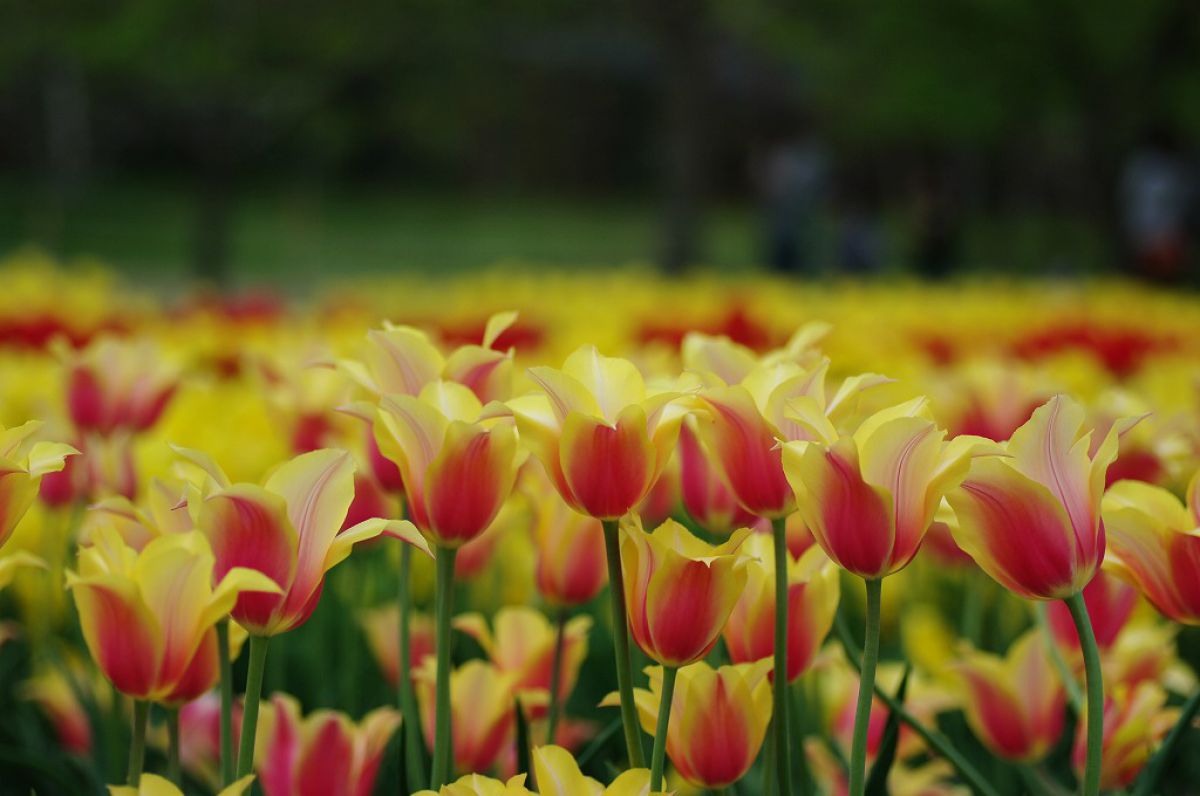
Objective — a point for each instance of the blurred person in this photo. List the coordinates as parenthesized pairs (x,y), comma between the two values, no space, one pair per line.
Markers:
(1157,195)
(791,176)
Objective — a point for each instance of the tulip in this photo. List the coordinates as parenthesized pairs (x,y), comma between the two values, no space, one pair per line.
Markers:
(55,693)
(569,548)
(1045,496)
(479,785)
(1152,543)
(288,530)
(118,385)
(720,719)
(558,774)
(458,471)
(200,739)
(603,438)
(23,463)
(1014,704)
(1135,721)
(10,563)
(1110,603)
(154,785)
(543,658)
(380,625)
(481,701)
(742,428)
(705,496)
(869,498)
(813,592)
(148,617)
(323,753)
(680,591)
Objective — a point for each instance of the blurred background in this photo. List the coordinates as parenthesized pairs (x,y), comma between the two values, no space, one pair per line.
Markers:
(248,142)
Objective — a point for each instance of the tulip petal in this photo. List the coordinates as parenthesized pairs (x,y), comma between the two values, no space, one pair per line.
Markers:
(121,633)
(469,479)
(609,469)
(401,360)
(49,457)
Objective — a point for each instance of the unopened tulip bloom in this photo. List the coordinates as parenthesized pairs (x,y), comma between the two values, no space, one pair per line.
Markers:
(720,719)
(869,498)
(323,753)
(680,589)
(603,438)
(1031,520)
(1153,544)
(481,701)
(200,737)
(1015,704)
(524,646)
(380,626)
(813,592)
(680,592)
(1135,721)
(118,385)
(705,495)
(23,463)
(569,546)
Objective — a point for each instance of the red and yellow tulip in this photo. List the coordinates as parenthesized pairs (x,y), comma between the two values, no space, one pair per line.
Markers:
(1014,704)
(679,589)
(323,753)
(869,497)
(719,718)
(522,647)
(23,463)
(380,626)
(148,616)
(288,530)
(1044,495)
(482,713)
(813,593)
(1153,543)
(1135,721)
(571,568)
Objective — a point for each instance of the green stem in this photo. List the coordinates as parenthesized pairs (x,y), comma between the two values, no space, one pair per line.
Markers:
(228,762)
(660,731)
(972,615)
(769,767)
(444,588)
(414,744)
(616,588)
(934,739)
(866,689)
(1095,693)
(1147,784)
(254,681)
(1074,695)
(780,715)
(556,675)
(174,773)
(137,743)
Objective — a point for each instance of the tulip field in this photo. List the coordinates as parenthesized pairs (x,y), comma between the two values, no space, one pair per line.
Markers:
(516,532)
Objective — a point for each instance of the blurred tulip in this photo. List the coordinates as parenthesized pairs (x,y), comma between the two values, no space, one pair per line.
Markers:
(719,719)
(381,626)
(706,498)
(458,469)
(23,462)
(1153,544)
(55,695)
(322,754)
(571,568)
(479,785)
(482,711)
(679,589)
(1135,721)
(813,592)
(154,785)
(1015,704)
(1110,604)
(148,616)
(118,385)
(869,498)
(603,437)
(200,737)
(558,775)
(288,530)
(1044,496)
(10,563)
(523,647)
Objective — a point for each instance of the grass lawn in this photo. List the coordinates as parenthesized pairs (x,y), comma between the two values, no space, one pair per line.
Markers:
(293,236)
